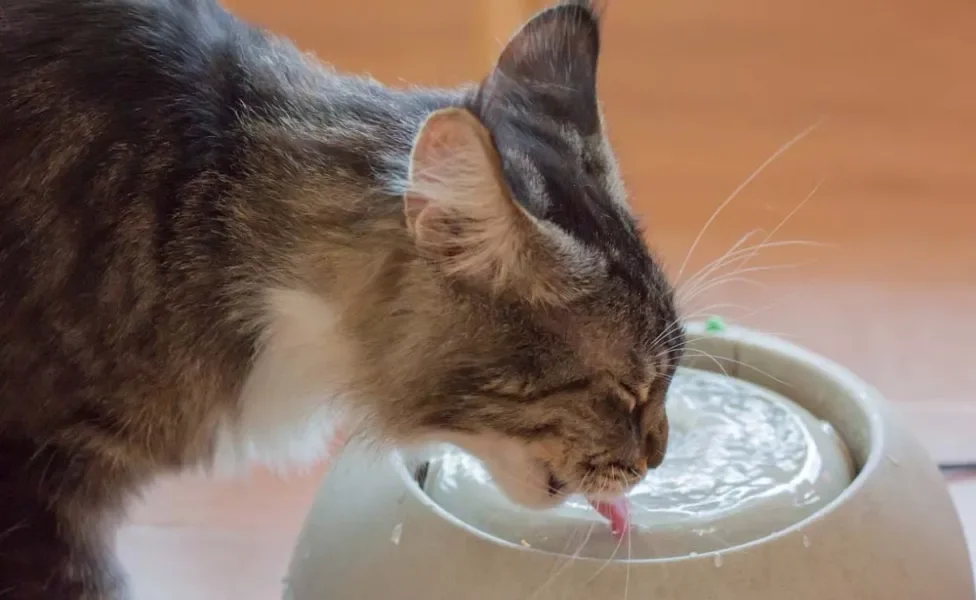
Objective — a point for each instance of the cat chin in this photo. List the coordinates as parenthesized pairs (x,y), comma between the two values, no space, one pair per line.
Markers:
(521,476)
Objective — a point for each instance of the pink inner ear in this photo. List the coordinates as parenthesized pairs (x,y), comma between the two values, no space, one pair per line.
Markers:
(413,205)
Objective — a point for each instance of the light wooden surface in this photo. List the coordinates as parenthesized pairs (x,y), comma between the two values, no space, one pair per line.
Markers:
(699,93)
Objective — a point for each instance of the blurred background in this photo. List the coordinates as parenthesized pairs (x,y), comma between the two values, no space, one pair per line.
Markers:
(700,93)
(870,214)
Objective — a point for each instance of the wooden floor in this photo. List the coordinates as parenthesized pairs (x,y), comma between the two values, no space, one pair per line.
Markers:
(700,93)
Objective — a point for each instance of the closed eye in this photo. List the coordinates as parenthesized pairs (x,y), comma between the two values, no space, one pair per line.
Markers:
(632,397)
(630,391)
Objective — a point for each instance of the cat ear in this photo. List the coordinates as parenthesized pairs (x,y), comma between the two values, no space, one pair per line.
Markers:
(457,206)
(460,214)
(555,55)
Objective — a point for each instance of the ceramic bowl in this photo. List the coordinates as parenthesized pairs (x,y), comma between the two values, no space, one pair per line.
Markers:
(892,533)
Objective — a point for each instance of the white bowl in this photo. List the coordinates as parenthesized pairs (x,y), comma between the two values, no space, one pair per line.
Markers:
(892,534)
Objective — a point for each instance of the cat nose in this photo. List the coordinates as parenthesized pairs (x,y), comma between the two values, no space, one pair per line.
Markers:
(656,447)
(656,444)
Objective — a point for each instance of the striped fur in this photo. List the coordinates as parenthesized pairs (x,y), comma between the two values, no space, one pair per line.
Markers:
(211,245)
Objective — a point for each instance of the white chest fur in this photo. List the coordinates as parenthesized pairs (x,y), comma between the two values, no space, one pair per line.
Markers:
(292,396)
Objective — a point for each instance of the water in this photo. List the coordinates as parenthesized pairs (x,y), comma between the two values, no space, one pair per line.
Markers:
(743,462)
(731,444)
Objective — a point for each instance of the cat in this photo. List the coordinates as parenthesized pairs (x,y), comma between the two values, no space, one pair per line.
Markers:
(212,246)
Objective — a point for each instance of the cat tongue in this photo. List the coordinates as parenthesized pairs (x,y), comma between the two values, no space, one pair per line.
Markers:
(617,512)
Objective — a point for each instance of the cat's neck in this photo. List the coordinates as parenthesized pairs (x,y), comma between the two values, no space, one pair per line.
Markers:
(327,163)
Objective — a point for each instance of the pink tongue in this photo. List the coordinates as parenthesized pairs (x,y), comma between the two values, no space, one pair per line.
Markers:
(617,512)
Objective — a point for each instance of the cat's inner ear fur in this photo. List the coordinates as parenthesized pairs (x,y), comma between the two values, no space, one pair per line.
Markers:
(555,55)
(461,216)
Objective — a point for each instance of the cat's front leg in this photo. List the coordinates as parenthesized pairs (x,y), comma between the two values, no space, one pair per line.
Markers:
(57,516)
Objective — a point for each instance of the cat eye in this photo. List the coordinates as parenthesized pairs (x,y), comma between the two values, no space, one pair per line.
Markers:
(630,391)
(635,396)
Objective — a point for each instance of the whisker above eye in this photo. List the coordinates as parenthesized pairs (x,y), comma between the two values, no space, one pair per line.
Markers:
(779,152)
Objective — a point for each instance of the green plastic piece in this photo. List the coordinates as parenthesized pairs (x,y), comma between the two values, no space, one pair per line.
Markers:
(715,324)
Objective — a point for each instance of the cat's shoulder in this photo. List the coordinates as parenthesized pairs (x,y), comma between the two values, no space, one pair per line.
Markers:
(81,27)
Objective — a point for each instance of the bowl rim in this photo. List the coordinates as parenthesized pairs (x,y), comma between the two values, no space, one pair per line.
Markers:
(866,398)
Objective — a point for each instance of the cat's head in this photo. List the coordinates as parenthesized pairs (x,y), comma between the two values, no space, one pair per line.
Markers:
(559,335)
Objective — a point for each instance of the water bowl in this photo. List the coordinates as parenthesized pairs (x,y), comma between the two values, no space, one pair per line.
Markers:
(787,477)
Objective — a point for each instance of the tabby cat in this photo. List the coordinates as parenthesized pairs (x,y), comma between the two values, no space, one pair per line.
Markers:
(212,246)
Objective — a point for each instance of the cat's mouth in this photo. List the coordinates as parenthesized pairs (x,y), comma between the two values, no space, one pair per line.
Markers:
(555,486)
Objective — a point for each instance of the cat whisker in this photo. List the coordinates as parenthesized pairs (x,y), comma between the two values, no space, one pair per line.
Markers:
(720,259)
(609,560)
(741,364)
(562,561)
(735,246)
(715,360)
(667,331)
(708,311)
(742,253)
(789,216)
(747,254)
(735,276)
(779,152)
(630,556)
(569,560)
(680,323)
(685,296)
(750,313)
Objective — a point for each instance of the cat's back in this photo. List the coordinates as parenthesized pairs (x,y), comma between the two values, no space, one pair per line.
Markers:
(114,117)
(87,81)
(107,109)
(39,30)
(61,57)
